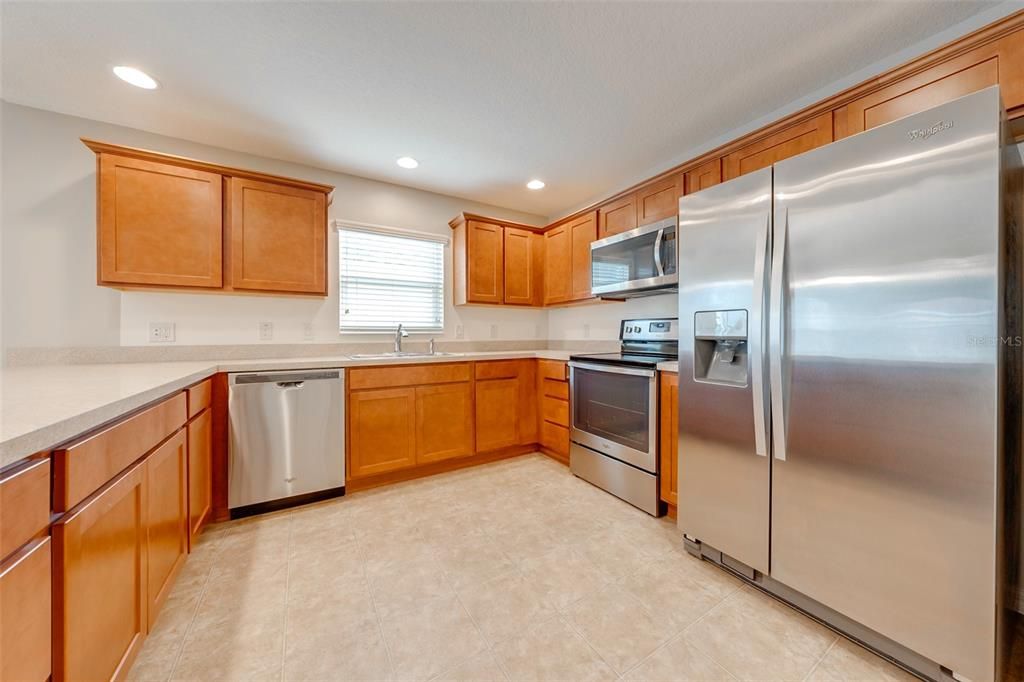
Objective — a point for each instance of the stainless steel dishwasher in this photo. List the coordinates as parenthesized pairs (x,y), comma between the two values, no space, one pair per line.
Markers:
(286,439)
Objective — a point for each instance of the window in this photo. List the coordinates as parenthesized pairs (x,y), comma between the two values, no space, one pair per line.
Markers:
(389,278)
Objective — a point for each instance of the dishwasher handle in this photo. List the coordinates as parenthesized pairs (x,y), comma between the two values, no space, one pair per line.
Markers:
(283,379)
(290,384)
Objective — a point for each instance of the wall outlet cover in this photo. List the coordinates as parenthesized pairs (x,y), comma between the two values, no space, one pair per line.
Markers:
(460,331)
(586,331)
(307,331)
(494,331)
(266,331)
(161,332)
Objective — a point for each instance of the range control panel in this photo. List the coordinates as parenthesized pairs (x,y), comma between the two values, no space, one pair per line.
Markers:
(657,329)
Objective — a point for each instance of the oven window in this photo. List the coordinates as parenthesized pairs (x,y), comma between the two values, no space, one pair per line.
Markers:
(613,406)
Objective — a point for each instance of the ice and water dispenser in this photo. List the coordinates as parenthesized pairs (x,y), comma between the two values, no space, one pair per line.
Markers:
(720,347)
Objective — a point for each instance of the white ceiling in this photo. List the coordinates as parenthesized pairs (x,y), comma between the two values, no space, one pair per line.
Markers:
(586,96)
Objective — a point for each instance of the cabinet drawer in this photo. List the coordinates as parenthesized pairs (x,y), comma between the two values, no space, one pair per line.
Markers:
(554,437)
(199,397)
(552,369)
(24,504)
(407,375)
(497,369)
(25,614)
(555,411)
(555,389)
(82,468)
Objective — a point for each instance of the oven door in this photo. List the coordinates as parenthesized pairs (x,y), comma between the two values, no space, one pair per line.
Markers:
(613,412)
(637,261)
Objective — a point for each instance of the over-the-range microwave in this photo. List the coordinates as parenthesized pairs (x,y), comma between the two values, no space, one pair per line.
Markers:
(640,262)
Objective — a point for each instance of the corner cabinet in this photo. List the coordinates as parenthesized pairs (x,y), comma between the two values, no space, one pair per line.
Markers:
(668,409)
(167,222)
(567,259)
(496,262)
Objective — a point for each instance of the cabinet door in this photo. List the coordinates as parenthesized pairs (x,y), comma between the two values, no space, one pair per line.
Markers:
(382,430)
(703,176)
(497,414)
(658,201)
(485,253)
(200,473)
(444,422)
(167,518)
(25,614)
(523,267)
(277,238)
(669,417)
(100,582)
(558,265)
(583,233)
(788,142)
(157,224)
(617,216)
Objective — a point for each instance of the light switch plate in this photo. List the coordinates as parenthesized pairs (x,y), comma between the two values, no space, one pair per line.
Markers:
(161,332)
(586,331)
(266,331)
(494,331)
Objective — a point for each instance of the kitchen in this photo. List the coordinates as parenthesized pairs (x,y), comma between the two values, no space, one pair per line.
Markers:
(275,407)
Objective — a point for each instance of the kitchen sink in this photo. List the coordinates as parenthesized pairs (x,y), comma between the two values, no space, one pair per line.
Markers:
(402,354)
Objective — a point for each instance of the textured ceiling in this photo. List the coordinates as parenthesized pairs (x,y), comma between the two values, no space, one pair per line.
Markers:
(586,96)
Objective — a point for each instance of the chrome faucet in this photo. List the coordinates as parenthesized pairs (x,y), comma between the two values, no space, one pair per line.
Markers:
(399,335)
(432,352)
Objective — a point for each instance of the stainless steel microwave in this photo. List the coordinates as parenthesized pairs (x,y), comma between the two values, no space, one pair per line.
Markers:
(641,262)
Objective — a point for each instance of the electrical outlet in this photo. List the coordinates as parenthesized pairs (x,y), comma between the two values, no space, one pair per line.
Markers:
(307,331)
(161,332)
(266,331)
(494,331)
(460,331)
(586,331)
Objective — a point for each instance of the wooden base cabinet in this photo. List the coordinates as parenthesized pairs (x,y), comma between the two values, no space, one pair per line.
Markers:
(166,519)
(200,472)
(25,614)
(497,414)
(382,430)
(444,422)
(668,446)
(100,601)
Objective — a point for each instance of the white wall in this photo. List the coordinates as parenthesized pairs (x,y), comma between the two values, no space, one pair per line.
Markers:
(601,321)
(50,297)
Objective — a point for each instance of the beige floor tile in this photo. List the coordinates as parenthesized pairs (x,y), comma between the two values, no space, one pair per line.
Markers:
(433,637)
(618,626)
(552,651)
(614,553)
(232,648)
(849,662)
(163,644)
(472,560)
(506,606)
(678,661)
(564,576)
(334,611)
(756,638)
(677,593)
(398,586)
(320,652)
(481,668)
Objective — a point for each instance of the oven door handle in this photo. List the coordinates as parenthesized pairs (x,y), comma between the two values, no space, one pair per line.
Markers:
(613,369)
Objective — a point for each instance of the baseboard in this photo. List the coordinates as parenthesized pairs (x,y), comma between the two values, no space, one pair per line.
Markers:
(557,456)
(435,468)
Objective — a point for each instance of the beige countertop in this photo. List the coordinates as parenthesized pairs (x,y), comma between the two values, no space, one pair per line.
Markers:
(44,406)
(670,366)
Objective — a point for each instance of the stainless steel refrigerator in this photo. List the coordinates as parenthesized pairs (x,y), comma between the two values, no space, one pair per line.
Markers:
(846,386)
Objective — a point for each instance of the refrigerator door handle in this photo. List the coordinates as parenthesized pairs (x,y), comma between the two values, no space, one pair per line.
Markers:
(657,253)
(776,335)
(758,336)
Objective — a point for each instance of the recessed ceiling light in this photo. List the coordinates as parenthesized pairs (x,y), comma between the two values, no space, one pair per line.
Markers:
(139,79)
(535,184)
(407,162)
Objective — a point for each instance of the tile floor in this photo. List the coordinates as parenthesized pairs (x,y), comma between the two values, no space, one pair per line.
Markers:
(512,571)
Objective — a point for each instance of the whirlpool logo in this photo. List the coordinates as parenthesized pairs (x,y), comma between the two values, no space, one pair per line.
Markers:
(925,133)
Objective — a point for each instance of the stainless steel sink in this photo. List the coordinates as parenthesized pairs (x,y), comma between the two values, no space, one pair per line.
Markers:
(402,354)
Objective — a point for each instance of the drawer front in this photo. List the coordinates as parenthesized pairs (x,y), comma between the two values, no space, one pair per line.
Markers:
(82,468)
(25,614)
(498,369)
(24,504)
(555,411)
(554,437)
(199,397)
(407,375)
(555,389)
(552,369)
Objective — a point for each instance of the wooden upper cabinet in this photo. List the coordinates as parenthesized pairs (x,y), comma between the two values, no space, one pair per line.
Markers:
(157,224)
(485,262)
(617,216)
(524,267)
(558,253)
(276,237)
(763,152)
(658,200)
(583,231)
(703,176)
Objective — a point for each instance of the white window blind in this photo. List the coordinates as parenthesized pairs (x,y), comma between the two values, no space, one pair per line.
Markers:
(387,279)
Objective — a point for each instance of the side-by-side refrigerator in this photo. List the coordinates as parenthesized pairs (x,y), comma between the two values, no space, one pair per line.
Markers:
(845,382)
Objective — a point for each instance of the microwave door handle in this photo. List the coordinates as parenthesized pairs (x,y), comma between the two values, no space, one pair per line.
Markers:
(758,336)
(657,253)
